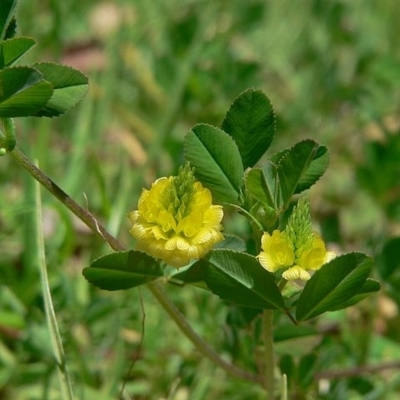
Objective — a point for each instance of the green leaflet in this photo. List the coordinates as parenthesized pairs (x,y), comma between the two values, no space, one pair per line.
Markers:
(24,92)
(240,279)
(216,160)
(293,167)
(335,284)
(251,123)
(12,49)
(122,270)
(69,87)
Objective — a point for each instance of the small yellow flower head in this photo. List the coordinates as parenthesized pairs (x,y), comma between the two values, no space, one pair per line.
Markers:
(277,251)
(297,247)
(176,220)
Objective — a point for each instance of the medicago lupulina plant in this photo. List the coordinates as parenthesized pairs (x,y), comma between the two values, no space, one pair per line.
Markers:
(283,268)
(178,223)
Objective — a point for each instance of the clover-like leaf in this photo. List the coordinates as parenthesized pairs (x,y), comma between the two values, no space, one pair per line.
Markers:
(315,170)
(216,160)
(239,278)
(251,122)
(331,287)
(294,168)
(122,270)
(370,286)
(12,49)
(260,187)
(24,92)
(69,87)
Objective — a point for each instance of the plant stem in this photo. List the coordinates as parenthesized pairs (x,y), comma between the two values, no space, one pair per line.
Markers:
(155,288)
(269,364)
(84,215)
(8,140)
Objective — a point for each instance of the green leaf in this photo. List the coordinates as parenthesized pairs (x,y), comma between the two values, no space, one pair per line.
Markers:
(69,87)
(316,169)
(260,187)
(312,173)
(12,49)
(370,286)
(240,279)
(293,165)
(23,92)
(251,122)
(333,285)
(216,160)
(7,10)
(122,270)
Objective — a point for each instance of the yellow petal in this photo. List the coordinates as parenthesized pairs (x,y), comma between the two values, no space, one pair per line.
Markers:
(296,272)
(203,236)
(268,262)
(213,216)
(181,243)
(171,244)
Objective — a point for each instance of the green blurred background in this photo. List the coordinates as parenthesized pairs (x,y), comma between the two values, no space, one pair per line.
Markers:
(332,71)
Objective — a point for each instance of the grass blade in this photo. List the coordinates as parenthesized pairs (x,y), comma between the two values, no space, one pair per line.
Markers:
(58,350)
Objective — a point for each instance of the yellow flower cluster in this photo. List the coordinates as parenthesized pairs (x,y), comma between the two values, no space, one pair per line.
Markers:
(279,252)
(297,248)
(176,220)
